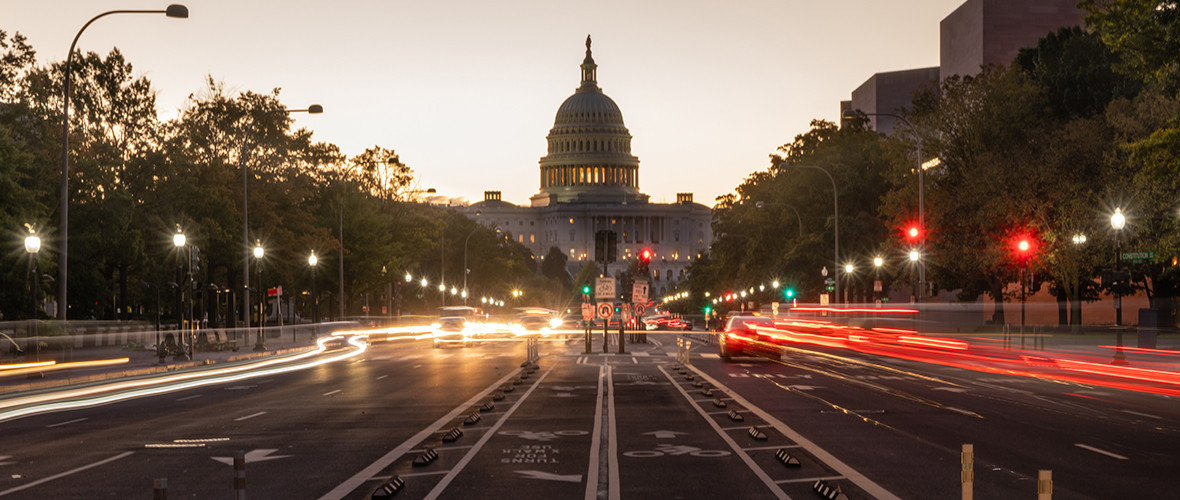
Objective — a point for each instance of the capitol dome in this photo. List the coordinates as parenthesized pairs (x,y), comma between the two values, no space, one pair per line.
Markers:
(589,156)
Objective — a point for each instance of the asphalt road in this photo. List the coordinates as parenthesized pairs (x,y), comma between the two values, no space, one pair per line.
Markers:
(638,425)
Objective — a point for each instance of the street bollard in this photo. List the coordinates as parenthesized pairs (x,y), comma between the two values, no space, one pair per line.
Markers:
(160,489)
(1044,485)
(240,475)
(967,476)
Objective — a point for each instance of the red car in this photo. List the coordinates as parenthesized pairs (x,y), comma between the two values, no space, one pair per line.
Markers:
(739,339)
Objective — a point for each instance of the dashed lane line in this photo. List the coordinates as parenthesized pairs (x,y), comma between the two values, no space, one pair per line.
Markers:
(1099,451)
(873,489)
(64,474)
(248,417)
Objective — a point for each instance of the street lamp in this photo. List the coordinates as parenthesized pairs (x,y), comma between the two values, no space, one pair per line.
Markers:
(174,10)
(797,217)
(181,243)
(835,216)
(1076,311)
(1118,221)
(312,260)
(877,263)
(921,183)
(258,253)
(915,257)
(442,259)
(465,270)
(32,247)
(314,109)
(1023,247)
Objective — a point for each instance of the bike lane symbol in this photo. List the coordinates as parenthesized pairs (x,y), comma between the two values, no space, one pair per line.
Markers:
(675,450)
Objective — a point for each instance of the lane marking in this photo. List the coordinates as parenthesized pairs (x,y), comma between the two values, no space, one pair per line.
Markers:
(871,488)
(809,479)
(614,491)
(1148,415)
(186,398)
(415,474)
(64,474)
(758,471)
(596,442)
(247,417)
(764,448)
(366,474)
(329,393)
(67,422)
(382,377)
(454,472)
(1104,452)
(969,413)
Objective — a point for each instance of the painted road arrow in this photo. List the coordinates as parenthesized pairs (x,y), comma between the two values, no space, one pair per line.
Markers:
(549,476)
(252,457)
(664,434)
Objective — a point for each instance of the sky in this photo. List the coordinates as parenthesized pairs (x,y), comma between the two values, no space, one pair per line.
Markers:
(466,91)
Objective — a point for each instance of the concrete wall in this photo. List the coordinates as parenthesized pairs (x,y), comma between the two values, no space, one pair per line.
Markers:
(993,31)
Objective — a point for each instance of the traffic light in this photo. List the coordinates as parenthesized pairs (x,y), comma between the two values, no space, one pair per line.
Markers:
(789,293)
(586,289)
(644,259)
(913,233)
(708,310)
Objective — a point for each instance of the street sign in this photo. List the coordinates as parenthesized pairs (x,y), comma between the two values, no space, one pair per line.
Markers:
(877,286)
(639,292)
(1137,256)
(823,299)
(587,311)
(604,289)
(774,308)
(274,292)
(640,309)
(605,310)
(824,271)
(626,312)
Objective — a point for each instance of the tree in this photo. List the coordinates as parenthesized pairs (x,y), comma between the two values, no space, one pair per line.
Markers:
(1145,34)
(1076,71)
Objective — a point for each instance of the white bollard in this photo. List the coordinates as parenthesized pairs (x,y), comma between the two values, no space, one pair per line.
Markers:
(1044,485)
(967,476)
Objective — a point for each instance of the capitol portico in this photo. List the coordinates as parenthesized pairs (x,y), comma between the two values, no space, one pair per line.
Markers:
(590,182)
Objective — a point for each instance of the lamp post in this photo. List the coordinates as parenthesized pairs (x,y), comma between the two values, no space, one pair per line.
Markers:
(1118,221)
(915,258)
(1023,246)
(921,187)
(835,218)
(465,271)
(181,243)
(1076,310)
(797,217)
(32,247)
(848,270)
(314,109)
(174,10)
(312,260)
(258,253)
(877,263)
(442,259)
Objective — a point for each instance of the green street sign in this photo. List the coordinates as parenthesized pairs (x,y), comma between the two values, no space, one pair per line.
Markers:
(1137,256)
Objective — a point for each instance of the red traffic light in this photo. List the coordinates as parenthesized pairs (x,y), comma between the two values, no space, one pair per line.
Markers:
(645,255)
(913,232)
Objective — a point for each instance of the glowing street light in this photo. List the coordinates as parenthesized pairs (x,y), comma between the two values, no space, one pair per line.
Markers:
(259,252)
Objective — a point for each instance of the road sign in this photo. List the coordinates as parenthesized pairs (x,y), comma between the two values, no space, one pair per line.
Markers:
(877,286)
(639,292)
(604,289)
(1137,256)
(587,311)
(824,271)
(640,309)
(605,310)
(275,291)
(626,312)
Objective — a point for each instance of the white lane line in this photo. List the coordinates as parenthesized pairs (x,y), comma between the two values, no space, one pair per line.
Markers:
(67,422)
(764,448)
(871,488)
(382,377)
(809,479)
(614,491)
(247,417)
(186,398)
(454,472)
(596,442)
(758,471)
(366,474)
(64,474)
(712,355)
(329,393)
(1148,415)
(1104,452)
(417,474)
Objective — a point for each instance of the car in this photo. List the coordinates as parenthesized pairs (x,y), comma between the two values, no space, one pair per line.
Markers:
(740,337)
(451,330)
(666,323)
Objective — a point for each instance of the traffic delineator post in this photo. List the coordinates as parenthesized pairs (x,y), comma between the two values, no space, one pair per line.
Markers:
(967,475)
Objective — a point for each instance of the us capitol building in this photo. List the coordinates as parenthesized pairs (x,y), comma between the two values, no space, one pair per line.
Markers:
(589,183)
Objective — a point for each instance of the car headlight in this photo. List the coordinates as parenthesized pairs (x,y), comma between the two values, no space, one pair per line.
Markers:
(555,323)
